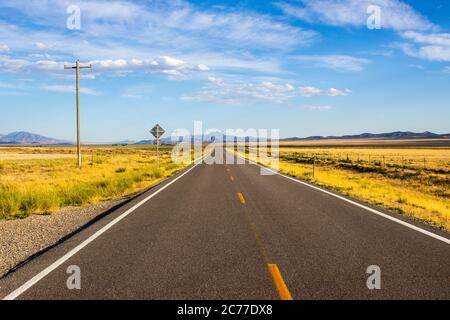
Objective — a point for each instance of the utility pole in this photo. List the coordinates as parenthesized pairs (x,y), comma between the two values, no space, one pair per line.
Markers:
(77,67)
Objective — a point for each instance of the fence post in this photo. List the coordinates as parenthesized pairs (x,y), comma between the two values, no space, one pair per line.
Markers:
(314,167)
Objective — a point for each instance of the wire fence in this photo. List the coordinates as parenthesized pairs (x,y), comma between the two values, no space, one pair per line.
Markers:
(364,161)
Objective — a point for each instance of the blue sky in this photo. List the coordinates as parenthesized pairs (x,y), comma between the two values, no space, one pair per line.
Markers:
(304,67)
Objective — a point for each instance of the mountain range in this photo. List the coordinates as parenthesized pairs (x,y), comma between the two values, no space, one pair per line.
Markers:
(27,138)
(388,135)
(23,138)
(217,136)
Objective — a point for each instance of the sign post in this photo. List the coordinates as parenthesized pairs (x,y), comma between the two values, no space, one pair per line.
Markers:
(157,132)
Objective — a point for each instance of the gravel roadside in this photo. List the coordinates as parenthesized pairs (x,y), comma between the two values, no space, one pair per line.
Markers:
(20,239)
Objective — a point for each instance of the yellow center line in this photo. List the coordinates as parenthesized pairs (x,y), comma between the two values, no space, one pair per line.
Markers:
(282,289)
(278,280)
(241,198)
(231,178)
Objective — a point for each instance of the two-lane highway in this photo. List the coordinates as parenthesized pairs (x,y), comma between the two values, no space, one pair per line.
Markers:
(224,231)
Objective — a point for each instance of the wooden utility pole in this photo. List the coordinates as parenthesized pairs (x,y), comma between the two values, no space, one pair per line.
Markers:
(77,67)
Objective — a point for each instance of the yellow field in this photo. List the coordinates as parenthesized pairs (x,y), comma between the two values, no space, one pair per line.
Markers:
(43,180)
(415,182)
(382,143)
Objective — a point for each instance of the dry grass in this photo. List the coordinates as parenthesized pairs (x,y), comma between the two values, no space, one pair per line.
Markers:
(21,156)
(373,143)
(42,180)
(396,178)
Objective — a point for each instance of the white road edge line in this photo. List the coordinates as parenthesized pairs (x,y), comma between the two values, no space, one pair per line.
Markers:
(406,224)
(27,285)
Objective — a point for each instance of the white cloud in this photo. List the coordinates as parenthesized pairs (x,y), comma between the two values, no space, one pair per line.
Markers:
(395,14)
(172,67)
(440,39)
(317,107)
(428,46)
(44,46)
(4,48)
(447,69)
(218,90)
(315,92)
(166,65)
(235,92)
(221,37)
(335,62)
(70,89)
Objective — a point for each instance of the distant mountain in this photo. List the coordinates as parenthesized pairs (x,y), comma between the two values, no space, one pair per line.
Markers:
(145,142)
(207,138)
(217,136)
(124,142)
(388,135)
(27,138)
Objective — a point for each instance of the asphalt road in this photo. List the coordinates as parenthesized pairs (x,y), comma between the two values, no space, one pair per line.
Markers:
(211,233)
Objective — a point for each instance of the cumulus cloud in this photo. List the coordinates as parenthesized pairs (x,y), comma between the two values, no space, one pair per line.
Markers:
(164,65)
(335,62)
(395,14)
(218,90)
(235,92)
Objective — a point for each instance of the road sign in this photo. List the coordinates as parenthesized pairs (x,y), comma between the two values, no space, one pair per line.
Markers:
(157,131)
